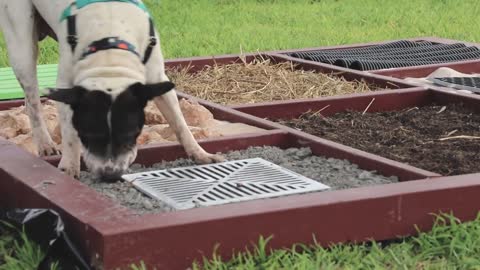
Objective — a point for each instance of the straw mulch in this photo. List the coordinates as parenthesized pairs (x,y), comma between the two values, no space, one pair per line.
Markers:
(260,81)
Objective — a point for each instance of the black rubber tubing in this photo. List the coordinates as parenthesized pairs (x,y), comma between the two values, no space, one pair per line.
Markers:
(390,53)
(346,62)
(378,64)
(393,45)
(401,53)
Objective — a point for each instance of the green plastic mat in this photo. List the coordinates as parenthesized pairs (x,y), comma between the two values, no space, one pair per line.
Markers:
(10,88)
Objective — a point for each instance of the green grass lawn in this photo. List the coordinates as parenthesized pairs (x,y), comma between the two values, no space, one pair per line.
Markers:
(449,245)
(211,27)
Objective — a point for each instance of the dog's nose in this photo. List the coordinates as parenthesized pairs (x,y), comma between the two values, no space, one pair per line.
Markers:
(110,174)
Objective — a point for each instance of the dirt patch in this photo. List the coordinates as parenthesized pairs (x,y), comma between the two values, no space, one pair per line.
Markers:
(261,81)
(441,139)
(336,173)
(15,125)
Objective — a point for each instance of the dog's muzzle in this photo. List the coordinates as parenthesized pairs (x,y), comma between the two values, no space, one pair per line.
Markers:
(109,174)
(110,169)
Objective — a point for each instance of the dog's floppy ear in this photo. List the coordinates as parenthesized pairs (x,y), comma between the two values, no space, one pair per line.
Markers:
(146,92)
(69,96)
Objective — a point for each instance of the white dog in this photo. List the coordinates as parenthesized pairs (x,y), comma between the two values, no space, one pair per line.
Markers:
(110,66)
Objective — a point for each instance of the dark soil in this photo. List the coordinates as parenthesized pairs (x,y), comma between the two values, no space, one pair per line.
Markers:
(411,136)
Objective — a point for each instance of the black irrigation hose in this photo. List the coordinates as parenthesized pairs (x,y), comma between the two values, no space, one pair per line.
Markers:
(378,64)
(413,57)
(389,53)
(392,55)
(369,49)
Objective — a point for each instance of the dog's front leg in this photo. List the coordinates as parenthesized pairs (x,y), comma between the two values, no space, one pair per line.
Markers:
(21,40)
(71,150)
(170,108)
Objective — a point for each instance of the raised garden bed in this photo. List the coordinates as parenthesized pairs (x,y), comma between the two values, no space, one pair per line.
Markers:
(442,139)
(267,76)
(262,80)
(430,129)
(113,236)
(336,173)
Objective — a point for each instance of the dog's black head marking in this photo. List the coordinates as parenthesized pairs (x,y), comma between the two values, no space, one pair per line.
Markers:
(108,127)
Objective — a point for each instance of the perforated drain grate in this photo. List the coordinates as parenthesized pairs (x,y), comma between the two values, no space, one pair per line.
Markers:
(221,183)
(466,83)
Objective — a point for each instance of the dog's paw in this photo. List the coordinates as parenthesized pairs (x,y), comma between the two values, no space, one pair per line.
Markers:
(73,172)
(207,158)
(70,168)
(48,149)
(44,143)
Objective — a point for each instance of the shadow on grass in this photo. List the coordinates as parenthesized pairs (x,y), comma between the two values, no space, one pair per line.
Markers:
(17,251)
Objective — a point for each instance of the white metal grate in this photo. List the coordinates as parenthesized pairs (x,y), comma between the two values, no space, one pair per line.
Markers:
(464,83)
(220,183)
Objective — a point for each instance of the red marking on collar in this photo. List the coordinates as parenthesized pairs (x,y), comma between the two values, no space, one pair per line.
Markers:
(123,46)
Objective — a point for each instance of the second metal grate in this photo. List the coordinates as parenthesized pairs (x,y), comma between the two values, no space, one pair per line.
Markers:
(464,83)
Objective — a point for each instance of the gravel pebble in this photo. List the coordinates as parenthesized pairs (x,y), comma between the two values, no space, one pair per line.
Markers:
(336,173)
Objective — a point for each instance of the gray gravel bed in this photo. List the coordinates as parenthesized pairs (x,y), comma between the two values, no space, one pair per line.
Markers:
(336,173)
